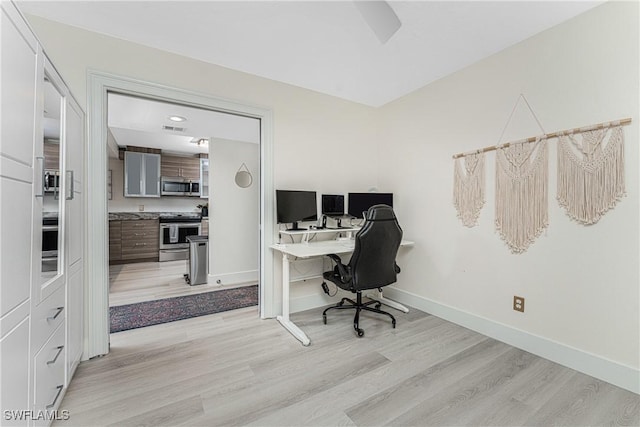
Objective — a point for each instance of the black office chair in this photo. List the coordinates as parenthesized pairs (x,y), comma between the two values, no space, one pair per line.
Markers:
(372,265)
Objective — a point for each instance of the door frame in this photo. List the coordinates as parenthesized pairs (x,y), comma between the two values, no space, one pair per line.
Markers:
(97,232)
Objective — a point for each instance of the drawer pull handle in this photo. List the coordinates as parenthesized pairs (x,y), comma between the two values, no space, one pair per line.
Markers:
(59,348)
(59,310)
(141,244)
(52,404)
(140,234)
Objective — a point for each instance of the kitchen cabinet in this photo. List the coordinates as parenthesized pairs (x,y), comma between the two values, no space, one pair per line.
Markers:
(140,240)
(41,297)
(181,166)
(141,174)
(51,155)
(204,227)
(115,241)
(204,178)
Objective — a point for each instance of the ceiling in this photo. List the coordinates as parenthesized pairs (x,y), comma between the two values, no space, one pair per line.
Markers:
(140,122)
(325,46)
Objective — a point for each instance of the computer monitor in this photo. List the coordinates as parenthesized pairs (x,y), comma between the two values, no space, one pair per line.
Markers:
(295,206)
(361,202)
(333,204)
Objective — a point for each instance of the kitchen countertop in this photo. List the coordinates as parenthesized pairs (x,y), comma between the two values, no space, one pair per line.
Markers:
(129,216)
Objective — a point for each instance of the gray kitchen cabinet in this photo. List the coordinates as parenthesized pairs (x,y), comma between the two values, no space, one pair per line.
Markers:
(115,241)
(141,174)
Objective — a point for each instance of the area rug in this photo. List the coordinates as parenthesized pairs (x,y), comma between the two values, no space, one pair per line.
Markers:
(139,315)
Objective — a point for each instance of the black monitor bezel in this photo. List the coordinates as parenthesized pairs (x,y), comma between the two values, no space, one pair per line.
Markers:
(380,198)
(332,213)
(281,218)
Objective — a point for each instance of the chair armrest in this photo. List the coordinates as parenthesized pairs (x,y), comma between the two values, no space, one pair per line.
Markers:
(345,277)
(397,268)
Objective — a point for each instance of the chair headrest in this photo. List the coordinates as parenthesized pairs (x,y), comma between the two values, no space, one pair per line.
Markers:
(380,213)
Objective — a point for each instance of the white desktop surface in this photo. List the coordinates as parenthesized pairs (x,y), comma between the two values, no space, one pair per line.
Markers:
(321,248)
(306,249)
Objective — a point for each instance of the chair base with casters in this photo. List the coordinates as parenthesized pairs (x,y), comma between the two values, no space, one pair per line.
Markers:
(358,305)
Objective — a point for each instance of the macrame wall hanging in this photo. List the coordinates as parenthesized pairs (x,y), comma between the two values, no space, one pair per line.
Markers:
(468,187)
(590,174)
(522,193)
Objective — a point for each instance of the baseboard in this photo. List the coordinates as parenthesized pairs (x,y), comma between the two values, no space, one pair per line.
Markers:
(234,278)
(607,370)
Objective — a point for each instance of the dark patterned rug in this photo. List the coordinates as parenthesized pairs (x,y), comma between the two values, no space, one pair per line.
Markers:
(139,315)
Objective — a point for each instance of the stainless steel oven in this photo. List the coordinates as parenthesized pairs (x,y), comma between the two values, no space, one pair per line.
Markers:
(49,243)
(173,237)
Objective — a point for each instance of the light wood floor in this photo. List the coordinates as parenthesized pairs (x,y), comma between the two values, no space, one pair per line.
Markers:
(149,281)
(234,369)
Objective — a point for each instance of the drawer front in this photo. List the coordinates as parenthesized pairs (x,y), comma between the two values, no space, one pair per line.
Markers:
(129,227)
(139,234)
(49,367)
(47,317)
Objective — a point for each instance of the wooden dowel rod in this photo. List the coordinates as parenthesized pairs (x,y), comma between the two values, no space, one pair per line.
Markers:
(547,136)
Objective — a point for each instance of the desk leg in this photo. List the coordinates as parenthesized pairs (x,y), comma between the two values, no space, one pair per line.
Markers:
(284,319)
(378,296)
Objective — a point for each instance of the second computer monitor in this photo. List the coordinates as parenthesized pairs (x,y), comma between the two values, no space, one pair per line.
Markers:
(333,204)
(295,206)
(361,202)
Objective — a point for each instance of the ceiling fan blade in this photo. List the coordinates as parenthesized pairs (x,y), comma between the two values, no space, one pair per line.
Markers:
(380,17)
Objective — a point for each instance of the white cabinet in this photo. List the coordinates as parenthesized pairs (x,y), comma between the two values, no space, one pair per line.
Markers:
(20,82)
(18,120)
(141,174)
(41,290)
(75,136)
(14,372)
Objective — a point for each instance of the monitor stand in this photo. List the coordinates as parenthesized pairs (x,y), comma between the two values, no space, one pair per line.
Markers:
(296,227)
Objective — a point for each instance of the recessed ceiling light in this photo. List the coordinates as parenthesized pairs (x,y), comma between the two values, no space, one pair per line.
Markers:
(177,118)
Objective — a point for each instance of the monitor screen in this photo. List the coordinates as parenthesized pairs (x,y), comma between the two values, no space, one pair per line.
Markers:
(361,202)
(333,204)
(294,206)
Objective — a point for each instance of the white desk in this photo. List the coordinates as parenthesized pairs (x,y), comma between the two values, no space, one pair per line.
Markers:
(308,249)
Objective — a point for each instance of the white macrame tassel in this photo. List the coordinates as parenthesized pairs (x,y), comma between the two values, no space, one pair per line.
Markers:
(468,188)
(591,179)
(522,193)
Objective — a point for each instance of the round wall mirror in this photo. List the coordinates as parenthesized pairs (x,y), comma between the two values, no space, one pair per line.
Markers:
(243,177)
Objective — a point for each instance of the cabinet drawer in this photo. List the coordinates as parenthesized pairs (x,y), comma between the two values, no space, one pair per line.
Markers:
(140,245)
(49,366)
(141,224)
(46,317)
(140,234)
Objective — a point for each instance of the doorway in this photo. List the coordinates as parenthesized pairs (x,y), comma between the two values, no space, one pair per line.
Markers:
(183,148)
(100,84)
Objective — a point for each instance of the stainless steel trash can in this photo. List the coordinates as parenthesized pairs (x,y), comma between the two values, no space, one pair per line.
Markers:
(198,260)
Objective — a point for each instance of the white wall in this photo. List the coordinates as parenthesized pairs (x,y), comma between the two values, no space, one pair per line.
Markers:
(320,142)
(580,283)
(234,213)
(119,203)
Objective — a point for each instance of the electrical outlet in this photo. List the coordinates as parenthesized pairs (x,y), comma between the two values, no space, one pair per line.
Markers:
(141,208)
(518,303)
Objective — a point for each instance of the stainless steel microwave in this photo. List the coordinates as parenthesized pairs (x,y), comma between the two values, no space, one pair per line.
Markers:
(178,186)
(51,181)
